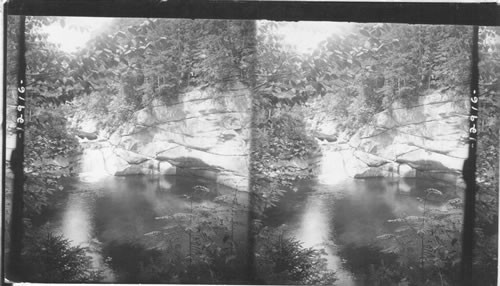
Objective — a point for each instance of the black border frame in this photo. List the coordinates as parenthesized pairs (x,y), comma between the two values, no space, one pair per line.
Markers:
(481,14)
(484,14)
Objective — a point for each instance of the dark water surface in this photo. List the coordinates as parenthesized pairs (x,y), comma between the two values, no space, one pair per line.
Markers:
(344,219)
(113,215)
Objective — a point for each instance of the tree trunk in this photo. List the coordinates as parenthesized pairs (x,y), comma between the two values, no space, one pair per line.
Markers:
(469,171)
(15,266)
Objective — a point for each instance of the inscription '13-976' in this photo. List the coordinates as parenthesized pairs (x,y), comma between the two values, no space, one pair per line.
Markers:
(21,105)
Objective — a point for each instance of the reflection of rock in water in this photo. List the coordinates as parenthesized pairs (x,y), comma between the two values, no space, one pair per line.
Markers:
(346,218)
(121,210)
(360,220)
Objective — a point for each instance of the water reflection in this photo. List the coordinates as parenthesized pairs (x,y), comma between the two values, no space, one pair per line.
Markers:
(116,212)
(127,209)
(76,220)
(346,218)
(343,218)
(76,224)
(119,208)
(314,230)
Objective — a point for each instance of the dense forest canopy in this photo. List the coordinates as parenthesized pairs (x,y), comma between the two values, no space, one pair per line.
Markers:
(362,72)
(135,63)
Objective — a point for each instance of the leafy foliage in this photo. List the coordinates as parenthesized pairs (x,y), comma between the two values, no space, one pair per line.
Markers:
(283,260)
(48,151)
(281,147)
(487,177)
(487,158)
(48,145)
(133,263)
(435,58)
(362,73)
(137,64)
(204,237)
(52,259)
(214,255)
(280,73)
(281,153)
(428,246)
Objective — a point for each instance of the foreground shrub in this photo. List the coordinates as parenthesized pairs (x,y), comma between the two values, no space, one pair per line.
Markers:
(51,258)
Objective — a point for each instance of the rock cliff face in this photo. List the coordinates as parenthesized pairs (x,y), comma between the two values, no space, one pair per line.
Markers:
(208,133)
(427,137)
(203,132)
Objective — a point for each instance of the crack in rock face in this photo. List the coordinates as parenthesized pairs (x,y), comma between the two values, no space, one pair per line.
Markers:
(204,131)
(208,130)
(427,136)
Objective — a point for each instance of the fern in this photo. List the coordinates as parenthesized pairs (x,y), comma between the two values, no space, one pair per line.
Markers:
(431,241)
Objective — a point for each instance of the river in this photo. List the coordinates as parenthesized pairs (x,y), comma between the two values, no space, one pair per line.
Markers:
(343,218)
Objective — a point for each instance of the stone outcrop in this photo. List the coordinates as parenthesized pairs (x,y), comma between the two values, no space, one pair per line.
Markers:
(207,133)
(426,137)
(86,135)
(202,131)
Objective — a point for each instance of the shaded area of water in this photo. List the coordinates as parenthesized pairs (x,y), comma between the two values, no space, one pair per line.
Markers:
(345,219)
(113,215)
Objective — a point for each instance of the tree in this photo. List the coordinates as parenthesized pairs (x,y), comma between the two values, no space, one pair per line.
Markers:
(485,263)
(48,144)
(381,63)
(486,231)
(41,158)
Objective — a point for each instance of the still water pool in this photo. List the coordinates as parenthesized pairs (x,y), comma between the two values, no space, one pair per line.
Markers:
(344,218)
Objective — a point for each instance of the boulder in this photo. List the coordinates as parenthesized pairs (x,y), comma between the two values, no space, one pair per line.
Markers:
(428,135)
(186,157)
(166,168)
(204,131)
(322,136)
(352,165)
(131,157)
(86,135)
(425,160)
(426,138)
(369,159)
(386,170)
(373,173)
(406,171)
(88,126)
(112,163)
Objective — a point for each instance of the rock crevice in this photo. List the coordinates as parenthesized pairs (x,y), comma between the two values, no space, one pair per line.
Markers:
(424,138)
(204,132)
